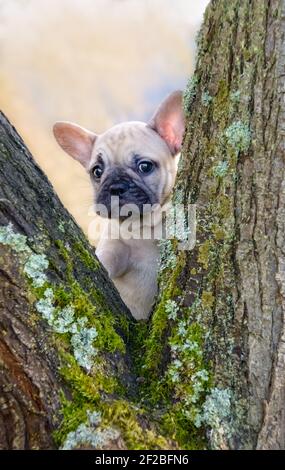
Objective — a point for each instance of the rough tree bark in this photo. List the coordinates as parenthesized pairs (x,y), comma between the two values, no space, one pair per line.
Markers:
(30,381)
(208,369)
(234,158)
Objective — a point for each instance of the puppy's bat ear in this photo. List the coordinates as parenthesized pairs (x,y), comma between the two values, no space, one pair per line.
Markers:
(169,121)
(75,140)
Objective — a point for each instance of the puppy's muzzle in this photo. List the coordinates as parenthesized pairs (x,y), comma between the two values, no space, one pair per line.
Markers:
(118,189)
(118,184)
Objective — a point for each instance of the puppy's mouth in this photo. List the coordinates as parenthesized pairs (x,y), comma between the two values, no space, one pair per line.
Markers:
(122,198)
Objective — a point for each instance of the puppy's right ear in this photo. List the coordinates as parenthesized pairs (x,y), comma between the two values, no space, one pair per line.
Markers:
(169,121)
(75,140)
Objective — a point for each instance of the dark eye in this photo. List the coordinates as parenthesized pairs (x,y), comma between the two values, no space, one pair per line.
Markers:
(145,166)
(98,171)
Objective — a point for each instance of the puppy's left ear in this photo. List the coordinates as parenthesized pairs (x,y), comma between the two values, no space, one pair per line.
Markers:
(75,140)
(169,121)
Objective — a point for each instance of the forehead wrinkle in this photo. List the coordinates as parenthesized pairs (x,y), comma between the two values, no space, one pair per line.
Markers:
(152,146)
(124,140)
(124,146)
(104,155)
(115,141)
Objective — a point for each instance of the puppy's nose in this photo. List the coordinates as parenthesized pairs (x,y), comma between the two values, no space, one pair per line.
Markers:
(117,189)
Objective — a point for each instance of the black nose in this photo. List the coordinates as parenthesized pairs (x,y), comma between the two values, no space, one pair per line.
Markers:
(117,189)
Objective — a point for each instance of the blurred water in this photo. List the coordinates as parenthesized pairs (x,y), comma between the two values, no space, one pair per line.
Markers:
(95,62)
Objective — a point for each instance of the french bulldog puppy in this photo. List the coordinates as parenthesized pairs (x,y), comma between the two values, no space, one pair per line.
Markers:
(134,163)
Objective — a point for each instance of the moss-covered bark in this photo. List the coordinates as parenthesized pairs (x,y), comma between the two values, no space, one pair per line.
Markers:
(67,376)
(223,338)
(207,370)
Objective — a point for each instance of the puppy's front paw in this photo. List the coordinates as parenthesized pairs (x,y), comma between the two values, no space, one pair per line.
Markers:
(115,262)
(107,261)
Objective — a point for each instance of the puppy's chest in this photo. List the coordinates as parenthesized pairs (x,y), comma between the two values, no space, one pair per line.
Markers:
(138,285)
(141,272)
(144,254)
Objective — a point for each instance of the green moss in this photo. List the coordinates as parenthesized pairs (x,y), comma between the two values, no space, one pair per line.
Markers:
(138,333)
(80,326)
(154,344)
(177,426)
(188,374)
(223,207)
(179,388)
(103,320)
(207,300)
(118,414)
(74,297)
(96,295)
(99,389)
(220,104)
(204,254)
(218,232)
(88,388)
(73,414)
(125,324)
(129,419)
(189,94)
(84,255)
(183,385)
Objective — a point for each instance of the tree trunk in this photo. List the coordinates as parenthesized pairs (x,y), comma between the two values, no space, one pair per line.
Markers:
(47,266)
(208,369)
(229,291)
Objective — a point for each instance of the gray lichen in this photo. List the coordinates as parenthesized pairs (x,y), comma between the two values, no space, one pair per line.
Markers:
(167,255)
(221,169)
(34,264)
(238,136)
(217,414)
(89,434)
(206,98)
(235,96)
(171,309)
(61,320)
(35,267)
(190,94)
(82,342)
(15,240)
(45,306)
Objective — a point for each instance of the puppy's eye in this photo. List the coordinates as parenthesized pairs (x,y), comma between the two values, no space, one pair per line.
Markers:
(98,171)
(145,166)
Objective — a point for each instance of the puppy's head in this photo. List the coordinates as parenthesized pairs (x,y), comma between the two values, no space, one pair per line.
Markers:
(134,161)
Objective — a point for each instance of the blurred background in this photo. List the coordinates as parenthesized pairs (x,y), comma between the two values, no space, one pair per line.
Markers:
(94,62)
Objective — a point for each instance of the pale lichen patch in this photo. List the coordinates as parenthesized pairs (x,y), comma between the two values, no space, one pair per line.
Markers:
(238,136)
(15,240)
(90,434)
(34,268)
(206,98)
